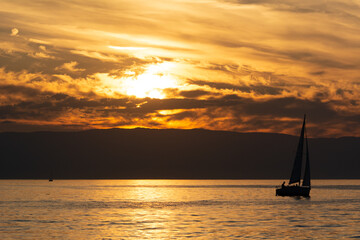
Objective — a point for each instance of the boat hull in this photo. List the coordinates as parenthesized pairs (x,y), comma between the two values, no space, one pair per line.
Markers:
(293,191)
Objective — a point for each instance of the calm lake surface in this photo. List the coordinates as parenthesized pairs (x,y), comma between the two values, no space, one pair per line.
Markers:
(176,209)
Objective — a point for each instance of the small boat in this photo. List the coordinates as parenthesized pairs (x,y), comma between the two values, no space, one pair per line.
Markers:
(294,188)
(51,176)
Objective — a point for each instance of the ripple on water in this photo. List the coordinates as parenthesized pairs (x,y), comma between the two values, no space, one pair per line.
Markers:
(123,211)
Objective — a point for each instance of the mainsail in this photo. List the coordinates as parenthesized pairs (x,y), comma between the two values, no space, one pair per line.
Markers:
(306,181)
(296,171)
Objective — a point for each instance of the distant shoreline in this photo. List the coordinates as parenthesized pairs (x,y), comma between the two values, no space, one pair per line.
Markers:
(170,154)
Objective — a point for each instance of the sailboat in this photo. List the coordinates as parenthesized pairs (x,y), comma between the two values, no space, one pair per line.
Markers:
(294,188)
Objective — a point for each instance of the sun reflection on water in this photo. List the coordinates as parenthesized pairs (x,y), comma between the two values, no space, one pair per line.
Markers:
(176,209)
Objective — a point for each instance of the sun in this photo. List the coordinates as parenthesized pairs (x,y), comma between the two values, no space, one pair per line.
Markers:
(152,82)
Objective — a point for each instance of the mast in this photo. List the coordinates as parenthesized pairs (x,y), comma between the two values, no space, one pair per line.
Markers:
(306,180)
(296,171)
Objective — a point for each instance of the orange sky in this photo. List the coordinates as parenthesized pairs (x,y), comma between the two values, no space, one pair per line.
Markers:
(223,65)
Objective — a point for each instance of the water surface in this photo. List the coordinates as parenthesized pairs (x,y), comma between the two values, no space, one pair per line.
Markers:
(176,209)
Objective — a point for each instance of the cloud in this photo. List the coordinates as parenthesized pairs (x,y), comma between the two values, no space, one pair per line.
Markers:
(242,65)
(14,32)
(229,112)
(49,59)
(194,93)
(70,66)
(258,89)
(41,55)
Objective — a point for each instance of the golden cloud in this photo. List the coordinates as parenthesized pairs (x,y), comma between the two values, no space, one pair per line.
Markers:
(229,65)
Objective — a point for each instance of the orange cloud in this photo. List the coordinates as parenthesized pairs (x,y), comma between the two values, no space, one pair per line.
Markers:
(226,65)
(70,66)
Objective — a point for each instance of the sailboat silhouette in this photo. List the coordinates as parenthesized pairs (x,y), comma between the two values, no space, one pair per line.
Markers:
(294,188)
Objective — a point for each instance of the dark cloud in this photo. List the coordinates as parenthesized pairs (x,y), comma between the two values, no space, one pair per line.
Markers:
(194,93)
(342,92)
(13,126)
(21,90)
(192,115)
(318,73)
(271,114)
(291,107)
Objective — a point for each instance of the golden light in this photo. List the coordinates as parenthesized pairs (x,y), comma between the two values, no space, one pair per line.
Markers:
(127,48)
(152,82)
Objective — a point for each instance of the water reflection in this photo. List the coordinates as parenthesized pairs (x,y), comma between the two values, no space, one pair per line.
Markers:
(178,209)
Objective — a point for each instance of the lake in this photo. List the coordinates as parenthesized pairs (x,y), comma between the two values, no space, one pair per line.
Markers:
(176,209)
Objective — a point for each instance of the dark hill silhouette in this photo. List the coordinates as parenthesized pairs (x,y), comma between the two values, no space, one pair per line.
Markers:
(152,153)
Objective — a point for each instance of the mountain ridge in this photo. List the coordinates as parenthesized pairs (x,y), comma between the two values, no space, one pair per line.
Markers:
(169,153)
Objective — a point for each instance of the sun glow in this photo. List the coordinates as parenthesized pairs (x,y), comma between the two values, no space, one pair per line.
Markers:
(127,48)
(152,82)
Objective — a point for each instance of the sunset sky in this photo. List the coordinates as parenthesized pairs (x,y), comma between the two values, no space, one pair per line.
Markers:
(246,66)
